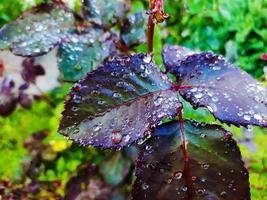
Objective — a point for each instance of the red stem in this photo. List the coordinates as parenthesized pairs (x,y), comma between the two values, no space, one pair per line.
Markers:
(156,15)
(187,173)
(179,87)
(150,27)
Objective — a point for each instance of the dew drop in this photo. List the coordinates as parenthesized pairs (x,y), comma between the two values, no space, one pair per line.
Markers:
(214,99)
(116,95)
(76,131)
(140,141)
(77,99)
(178,175)
(193,89)
(116,137)
(147,59)
(127,138)
(148,147)
(145,186)
(258,117)
(200,191)
(198,95)
(100,102)
(158,100)
(212,107)
(78,67)
(169,180)
(206,166)
(147,134)
(97,127)
(247,117)
(74,109)
(223,194)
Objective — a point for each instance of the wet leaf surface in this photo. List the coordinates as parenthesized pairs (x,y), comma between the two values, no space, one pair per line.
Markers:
(37,31)
(133,31)
(208,80)
(107,12)
(80,54)
(216,169)
(118,103)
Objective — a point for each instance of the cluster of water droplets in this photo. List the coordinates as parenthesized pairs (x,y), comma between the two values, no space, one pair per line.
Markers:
(124,110)
(161,157)
(36,33)
(79,54)
(172,55)
(229,93)
(133,31)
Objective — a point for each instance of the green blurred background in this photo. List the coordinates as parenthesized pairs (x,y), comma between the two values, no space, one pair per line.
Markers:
(234,28)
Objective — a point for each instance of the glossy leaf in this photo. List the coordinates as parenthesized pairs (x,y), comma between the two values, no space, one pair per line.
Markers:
(118,103)
(208,80)
(36,31)
(107,12)
(216,169)
(133,31)
(80,54)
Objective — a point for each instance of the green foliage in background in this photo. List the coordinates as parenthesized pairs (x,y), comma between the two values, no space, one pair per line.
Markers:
(237,29)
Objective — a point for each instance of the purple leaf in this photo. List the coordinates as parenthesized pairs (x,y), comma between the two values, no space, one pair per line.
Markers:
(215,165)
(30,70)
(208,80)
(37,31)
(118,103)
(24,86)
(8,101)
(25,101)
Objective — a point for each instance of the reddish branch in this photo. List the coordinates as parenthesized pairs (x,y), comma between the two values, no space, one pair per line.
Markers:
(156,15)
(150,28)
(187,173)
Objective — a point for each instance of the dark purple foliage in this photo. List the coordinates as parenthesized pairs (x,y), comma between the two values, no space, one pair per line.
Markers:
(216,168)
(25,101)
(8,100)
(30,70)
(118,103)
(208,80)
(24,86)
